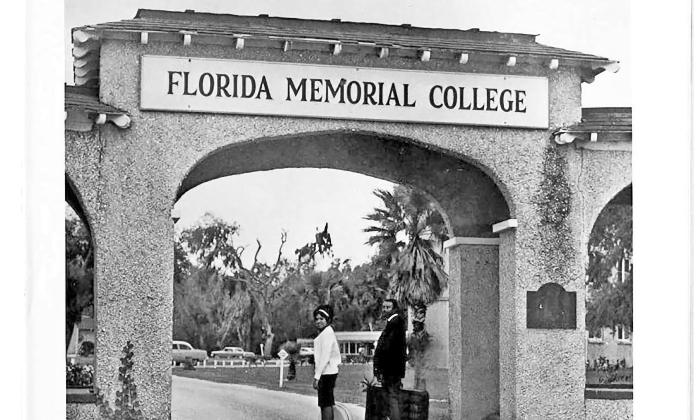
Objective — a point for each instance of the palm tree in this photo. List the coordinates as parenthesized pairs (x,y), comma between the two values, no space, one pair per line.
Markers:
(409,231)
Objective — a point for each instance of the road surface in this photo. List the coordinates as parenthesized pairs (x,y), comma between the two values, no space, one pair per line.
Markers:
(195,399)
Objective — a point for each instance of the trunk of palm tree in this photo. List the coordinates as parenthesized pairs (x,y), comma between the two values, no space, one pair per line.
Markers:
(418,345)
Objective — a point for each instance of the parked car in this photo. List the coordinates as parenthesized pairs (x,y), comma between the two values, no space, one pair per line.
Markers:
(232,353)
(182,351)
(306,355)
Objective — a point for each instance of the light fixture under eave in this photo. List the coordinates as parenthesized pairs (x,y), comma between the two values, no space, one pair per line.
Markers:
(120,120)
(564,138)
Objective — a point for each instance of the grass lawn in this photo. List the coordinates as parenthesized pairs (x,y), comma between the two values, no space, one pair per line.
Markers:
(348,387)
(621,376)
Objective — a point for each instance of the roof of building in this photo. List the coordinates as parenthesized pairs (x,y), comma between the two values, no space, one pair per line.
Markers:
(86,100)
(350,337)
(87,323)
(358,336)
(347,32)
(279,29)
(606,124)
(608,119)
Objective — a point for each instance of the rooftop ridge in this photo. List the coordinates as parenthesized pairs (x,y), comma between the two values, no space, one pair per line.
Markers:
(403,27)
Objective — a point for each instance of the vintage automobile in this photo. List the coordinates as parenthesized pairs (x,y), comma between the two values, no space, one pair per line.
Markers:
(183,351)
(306,355)
(232,353)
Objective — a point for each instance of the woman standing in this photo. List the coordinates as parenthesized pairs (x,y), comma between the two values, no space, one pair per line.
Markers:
(327,359)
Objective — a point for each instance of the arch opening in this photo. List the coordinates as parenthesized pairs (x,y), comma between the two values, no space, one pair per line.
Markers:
(79,297)
(609,290)
(467,198)
(440,175)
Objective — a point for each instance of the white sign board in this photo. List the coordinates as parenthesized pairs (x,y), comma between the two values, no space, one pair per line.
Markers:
(323,91)
(282,354)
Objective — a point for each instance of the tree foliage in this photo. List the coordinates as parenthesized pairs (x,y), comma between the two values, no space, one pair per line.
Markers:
(79,272)
(237,301)
(409,231)
(268,303)
(609,300)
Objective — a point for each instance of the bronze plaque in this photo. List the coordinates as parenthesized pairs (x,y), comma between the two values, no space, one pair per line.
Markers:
(551,307)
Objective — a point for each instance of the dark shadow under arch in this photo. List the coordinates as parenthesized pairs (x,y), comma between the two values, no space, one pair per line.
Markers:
(470,198)
(73,200)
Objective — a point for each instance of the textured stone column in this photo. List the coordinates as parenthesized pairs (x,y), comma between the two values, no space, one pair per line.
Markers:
(133,237)
(542,372)
(473,320)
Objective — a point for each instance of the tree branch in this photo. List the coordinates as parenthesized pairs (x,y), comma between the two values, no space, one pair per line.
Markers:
(255,258)
(283,240)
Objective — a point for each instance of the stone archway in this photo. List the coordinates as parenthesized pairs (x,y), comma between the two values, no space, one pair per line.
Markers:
(470,199)
(471,203)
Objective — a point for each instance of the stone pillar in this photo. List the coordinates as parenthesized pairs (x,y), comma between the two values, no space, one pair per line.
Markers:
(474,324)
(542,371)
(437,325)
(133,237)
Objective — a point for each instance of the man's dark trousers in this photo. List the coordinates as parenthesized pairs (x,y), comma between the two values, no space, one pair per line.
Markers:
(392,384)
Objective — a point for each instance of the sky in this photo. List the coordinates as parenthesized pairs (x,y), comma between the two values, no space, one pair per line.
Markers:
(300,201)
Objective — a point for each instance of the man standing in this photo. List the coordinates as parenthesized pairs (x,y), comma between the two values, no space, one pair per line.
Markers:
(292,348)
(390,355)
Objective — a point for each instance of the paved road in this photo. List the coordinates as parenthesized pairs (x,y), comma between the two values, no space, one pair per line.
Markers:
(195,399)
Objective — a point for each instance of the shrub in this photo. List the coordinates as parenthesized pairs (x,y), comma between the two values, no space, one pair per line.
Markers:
(87,348)
(611,372)
(78,376)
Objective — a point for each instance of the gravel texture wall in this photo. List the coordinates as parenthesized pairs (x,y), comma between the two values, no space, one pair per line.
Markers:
(128,181)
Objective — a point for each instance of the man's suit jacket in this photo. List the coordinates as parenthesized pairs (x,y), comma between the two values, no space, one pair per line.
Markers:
(390,355)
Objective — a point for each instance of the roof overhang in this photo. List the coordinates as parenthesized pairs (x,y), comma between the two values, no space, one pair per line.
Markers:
(334,37)
(599,128)
(83,110)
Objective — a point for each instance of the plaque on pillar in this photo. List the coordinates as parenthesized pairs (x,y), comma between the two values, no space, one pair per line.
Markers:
(551,307)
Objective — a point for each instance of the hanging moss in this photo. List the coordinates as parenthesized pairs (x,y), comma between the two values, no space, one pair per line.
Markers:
(554,207)
(554,202)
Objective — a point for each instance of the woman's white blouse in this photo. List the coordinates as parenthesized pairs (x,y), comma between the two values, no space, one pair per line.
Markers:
(326,353)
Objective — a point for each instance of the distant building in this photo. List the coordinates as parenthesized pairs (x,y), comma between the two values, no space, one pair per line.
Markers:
(351,343)
(615,344)
(83,332)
